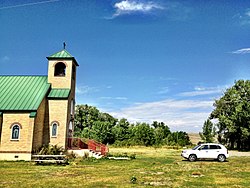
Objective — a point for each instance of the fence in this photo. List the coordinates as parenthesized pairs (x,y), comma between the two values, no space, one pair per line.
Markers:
(97,147)
(79,143)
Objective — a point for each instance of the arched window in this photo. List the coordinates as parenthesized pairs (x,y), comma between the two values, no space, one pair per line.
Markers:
(60,69)
(54,129)
(72,107)
(15,132)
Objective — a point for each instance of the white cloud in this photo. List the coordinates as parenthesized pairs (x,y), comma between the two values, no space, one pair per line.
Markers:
(187,115)
(242,51)
(114,98)
(106,98)
(133,6)
(198,91)
(121,98)
(85,89)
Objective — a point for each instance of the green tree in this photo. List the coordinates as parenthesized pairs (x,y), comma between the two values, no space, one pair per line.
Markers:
(121,130)
(143,134)
(93,124)
(208,131)
(105,117)
(85,116)
(233,113)
(179,138)
(161,131)
(102,132)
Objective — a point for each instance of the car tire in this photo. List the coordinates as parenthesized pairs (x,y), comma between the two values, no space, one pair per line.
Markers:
(221,158)
(192,157)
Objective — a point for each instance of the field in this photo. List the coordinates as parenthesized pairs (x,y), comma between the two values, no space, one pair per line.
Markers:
(194,138)
(159,167)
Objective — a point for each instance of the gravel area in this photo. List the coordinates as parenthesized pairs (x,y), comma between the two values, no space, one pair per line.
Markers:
(239,154)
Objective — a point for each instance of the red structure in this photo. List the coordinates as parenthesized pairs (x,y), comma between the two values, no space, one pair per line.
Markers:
(97,147)
(92,145)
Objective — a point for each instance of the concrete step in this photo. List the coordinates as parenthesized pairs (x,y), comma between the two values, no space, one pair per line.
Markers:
(94,154)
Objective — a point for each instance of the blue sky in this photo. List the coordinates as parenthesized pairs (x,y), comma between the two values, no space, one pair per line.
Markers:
(139,59)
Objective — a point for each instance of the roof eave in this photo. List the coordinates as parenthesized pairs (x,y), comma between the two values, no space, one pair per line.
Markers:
(57,98)
(63,58)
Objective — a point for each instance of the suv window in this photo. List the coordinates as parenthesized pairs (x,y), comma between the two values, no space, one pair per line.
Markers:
(215,147)
(204,147)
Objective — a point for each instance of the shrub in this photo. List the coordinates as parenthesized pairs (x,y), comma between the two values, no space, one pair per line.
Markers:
(50,150)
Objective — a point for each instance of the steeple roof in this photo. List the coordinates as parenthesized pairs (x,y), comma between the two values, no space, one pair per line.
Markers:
(63,54)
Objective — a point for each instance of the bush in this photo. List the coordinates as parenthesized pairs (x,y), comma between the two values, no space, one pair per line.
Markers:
(50,150)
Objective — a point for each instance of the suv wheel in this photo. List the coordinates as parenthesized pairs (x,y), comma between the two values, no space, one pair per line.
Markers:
(192,157)
(221,158)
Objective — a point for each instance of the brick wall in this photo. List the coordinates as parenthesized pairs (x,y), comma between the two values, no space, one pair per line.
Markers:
(24,144)
(46,126)
(58,112)
(39,125)
(60,81)
(71,97)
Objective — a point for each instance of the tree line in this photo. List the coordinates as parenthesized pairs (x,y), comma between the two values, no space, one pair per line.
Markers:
(93,124)
(232,112)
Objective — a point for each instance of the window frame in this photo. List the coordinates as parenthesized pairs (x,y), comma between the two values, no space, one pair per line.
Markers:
(52,126)
(13,125)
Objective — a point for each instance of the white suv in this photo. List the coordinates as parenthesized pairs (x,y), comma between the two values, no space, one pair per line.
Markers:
(206,151)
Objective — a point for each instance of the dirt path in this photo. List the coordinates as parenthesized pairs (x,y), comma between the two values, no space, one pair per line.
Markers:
(239,154)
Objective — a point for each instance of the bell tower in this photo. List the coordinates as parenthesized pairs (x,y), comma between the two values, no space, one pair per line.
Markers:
(62,70)
(61,99)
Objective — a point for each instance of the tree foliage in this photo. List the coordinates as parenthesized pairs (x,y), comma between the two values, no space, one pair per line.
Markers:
(143,134)
(122,130)
(208,131)
(233,113)
(93,124)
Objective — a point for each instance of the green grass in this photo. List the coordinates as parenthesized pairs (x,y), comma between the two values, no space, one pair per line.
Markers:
(152,167)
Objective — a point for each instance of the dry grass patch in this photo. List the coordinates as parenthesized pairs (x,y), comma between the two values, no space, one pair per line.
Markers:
(194,137)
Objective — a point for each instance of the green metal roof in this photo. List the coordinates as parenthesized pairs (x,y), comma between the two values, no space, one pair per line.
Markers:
(63,54)
(22,92)
(59,93)
(33,114)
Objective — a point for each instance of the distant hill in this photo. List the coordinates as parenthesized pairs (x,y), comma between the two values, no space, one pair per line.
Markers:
(194,137)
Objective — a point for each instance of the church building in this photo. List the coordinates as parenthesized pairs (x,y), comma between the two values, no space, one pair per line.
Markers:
(38,110)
